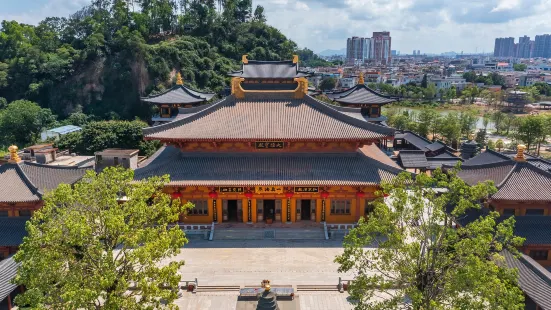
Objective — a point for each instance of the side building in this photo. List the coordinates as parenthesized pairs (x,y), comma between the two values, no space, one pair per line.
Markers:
(271,153)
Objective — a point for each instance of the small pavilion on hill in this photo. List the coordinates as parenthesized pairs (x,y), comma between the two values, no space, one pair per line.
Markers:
(269,152)
(361,97)
(174,102)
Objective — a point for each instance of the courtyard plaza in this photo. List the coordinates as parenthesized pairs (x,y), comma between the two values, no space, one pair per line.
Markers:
(245,263)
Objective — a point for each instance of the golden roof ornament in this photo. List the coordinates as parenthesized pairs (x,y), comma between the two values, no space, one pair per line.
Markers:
(295,59)
(520,153)
(179,80)
(244,59)
(267,287)
(361,79)
(14,158)
(471,136)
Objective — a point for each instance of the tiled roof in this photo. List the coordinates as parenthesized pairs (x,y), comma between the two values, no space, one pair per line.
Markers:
(283,119)
(535,228)
(415,140)
(436,146)
(179,94)
(436,162)
(14,185)
(250,169)
(413,159)
(487,157)
(8,270)
(12,230)
(496,172)
(269,69)
(533,279)
(360,94)
(525,183)
(26,182)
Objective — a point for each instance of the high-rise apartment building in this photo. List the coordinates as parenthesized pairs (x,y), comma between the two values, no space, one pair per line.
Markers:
(358,49)
(524,47)
(504,47)
(542,46)
(381,47)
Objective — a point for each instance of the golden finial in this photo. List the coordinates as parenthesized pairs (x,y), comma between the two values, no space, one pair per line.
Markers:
(14,158)
(295,59)
(471,137)
(361,79)
(179,80)
(520,152)
(244,59)
(267,287)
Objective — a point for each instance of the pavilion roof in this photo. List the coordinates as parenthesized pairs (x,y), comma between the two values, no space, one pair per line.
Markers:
(179,94)
(8,270)
(360,94)
(252,169)
(269,70)
(27,182)
(282,119)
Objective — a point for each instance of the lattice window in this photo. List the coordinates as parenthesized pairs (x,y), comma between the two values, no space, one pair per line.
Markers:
(340,207)
(201,207)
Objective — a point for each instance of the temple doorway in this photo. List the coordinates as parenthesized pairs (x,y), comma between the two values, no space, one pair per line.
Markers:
(305,210)
(232,210)
(269,209)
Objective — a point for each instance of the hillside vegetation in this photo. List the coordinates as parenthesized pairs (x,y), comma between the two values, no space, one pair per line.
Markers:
(101,59)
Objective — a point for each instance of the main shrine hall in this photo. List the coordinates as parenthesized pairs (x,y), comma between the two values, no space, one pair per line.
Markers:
(268,152)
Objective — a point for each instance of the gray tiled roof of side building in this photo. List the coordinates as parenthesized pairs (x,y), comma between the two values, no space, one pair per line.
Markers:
(26,182)
(8,270)
(179,94)
(269,69)
(533,280)
(413,159)
(360,94)
(12,230)
(525,183)
(249,169)
(487,157)
(284,119)
(535,228)
(495,172)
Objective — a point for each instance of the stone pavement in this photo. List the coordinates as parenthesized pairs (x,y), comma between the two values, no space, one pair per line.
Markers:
(244,263)
(228,301)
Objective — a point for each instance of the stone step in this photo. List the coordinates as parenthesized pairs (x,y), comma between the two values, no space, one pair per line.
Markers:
(217,288)
(310,234)
(311,288)
(267,234)
(238,234)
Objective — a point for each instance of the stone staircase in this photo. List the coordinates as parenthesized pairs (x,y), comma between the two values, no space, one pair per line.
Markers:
(269,234)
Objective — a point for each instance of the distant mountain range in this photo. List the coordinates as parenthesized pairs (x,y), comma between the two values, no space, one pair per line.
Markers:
(333,52)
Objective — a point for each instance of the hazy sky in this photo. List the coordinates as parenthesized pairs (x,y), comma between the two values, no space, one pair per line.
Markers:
(432,26)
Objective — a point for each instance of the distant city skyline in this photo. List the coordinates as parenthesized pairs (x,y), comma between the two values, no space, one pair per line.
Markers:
(433,26)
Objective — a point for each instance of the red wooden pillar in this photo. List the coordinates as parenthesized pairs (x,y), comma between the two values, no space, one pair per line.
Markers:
(9,302)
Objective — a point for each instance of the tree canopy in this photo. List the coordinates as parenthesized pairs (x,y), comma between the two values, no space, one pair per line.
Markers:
(85,248)
(409,254)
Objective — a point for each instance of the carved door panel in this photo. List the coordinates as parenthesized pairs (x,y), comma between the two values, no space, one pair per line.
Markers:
(259,210)
(313,209)
(224,210)
(278,209)
(240,210)
(298,210)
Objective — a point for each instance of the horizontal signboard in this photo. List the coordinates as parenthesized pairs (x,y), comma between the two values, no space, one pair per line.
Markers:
(268,189)
(306,189)
(230,189)
(269,144)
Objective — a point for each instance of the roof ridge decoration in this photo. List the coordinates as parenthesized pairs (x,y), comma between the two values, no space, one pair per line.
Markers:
(244,59)
(14,157)
(361,79)
(179,80)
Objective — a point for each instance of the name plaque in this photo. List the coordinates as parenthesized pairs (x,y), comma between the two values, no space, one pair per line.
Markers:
(264,145)
(306,189)
(268,189)
(230,189)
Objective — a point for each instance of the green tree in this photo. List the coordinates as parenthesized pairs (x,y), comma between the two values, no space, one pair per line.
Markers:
(450,128)
(481,137)
(531,131)
(499,145)
(424,81)
(519,67)
(498,117)
(85,248)
(491,145)
(22,121)
(426,121)
(421,260)
(470,76)
(328,83)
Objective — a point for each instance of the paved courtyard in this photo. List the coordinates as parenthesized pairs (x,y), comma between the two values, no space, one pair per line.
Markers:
(283,262)
(247,263)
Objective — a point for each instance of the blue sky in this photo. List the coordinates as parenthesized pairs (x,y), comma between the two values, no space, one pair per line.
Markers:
(426,25)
